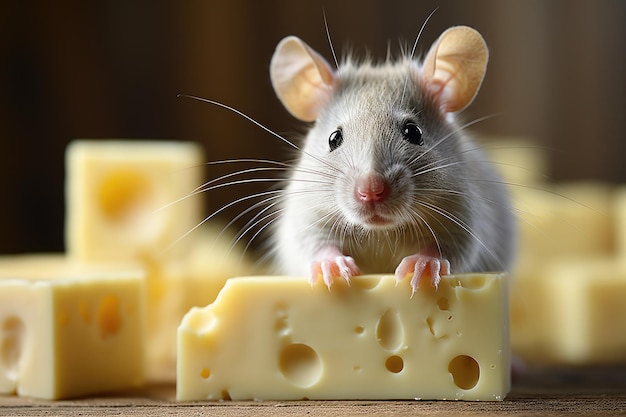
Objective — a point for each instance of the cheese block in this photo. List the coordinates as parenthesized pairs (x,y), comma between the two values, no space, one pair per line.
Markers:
(619,210)
(176,285)
(124,198)
(569,219)
(279,338)
(68,330)
(520,161)
(573,313)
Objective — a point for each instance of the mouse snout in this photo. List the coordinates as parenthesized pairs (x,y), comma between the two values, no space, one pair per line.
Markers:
(371,187)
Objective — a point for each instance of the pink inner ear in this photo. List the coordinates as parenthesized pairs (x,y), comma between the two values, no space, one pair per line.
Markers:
(441,91)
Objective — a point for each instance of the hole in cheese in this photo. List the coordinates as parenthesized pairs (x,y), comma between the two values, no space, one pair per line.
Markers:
(300,364)
(443,304)
(128,201)
(226,395)
(389,330)
(205,373)
(429,322)
(282,320)
(109,318)
(394,364)
(465,371)
(365,282)
(359,330)
(11,345)
(473,282)
(124,193)
(201,323)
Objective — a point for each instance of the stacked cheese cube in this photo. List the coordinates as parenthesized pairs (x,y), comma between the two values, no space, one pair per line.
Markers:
(126,214)
(570,276)
(136,201)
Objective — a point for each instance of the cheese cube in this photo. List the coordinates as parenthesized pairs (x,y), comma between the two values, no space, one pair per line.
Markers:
(519,161)
(278,338)
(565,220)
(122,198)
(68,330)
(580,309)
(620,223)
(176,285)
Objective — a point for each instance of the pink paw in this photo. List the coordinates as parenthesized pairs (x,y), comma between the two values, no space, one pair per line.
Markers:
(418,265)
(331,263)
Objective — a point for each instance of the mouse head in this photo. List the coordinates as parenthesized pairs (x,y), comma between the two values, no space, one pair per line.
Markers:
(452,72)
(383,133)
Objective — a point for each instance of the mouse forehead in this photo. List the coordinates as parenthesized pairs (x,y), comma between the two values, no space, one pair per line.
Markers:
(376,93)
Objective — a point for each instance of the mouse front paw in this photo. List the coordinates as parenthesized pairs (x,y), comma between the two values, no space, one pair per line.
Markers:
(419,266)
(330,263)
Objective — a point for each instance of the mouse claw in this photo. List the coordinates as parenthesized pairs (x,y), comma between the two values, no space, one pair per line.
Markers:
(332,266)
(418,265)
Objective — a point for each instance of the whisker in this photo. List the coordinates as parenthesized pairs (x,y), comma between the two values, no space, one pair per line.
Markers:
(454,132)
(254,160)
(242,114)
(258,124)
(412,55)
(271,216)
(250,209)
(419,34)
(459,222)
(215,213)
(423,221)
(330,42)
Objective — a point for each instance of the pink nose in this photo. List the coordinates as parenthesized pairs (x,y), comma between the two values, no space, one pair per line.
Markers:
(371,187)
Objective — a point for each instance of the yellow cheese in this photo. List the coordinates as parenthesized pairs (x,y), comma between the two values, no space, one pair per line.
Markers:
(121,198)
(123,205)
(572,313)
(520,161)
(176,285)
(560,224)
(68,330)
(279,338)
(619,210)
(565,220)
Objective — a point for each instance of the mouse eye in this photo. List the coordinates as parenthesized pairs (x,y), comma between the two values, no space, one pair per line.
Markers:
(335,139)
(412,133)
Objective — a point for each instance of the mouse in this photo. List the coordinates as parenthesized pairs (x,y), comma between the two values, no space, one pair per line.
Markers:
(387,178)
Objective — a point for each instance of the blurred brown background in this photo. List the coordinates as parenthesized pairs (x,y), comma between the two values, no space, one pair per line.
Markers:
(113,70)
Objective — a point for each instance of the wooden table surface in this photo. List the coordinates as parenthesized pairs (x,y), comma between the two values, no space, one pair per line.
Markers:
(539,392)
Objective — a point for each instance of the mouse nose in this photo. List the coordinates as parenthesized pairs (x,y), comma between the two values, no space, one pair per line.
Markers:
(371,187)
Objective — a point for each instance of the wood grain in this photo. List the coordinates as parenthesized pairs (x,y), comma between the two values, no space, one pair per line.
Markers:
(538,392)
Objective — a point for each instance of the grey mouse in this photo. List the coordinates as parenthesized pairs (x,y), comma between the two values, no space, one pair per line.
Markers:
(387,179)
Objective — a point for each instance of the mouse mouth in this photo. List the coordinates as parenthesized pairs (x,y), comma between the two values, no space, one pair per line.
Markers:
(377,220)
(376,215)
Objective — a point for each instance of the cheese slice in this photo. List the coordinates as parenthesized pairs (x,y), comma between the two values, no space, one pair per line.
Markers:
(68,330)
(278,338)
(125,199)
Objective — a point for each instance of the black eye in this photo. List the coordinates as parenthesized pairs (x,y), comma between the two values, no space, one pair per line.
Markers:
(336,139)
(412,133)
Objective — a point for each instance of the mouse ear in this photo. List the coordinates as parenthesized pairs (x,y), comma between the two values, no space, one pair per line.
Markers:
(455,66)
(302,79)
